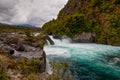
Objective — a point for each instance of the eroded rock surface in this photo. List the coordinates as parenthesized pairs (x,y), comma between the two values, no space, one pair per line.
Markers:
(84,38)
(17,45)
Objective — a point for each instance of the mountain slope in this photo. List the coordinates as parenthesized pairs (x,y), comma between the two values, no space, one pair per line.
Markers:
(17,28)
(101,17)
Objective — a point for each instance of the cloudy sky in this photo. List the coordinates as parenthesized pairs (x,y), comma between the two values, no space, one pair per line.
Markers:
(35,12)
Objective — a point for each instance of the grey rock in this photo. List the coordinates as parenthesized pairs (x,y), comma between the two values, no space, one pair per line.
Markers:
(7,49)
(17,46)
(84,38)
(57,37)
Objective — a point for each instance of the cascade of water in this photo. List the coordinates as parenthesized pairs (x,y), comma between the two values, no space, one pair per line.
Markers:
(56,41)
(48,43)
(61,41)
(48,68)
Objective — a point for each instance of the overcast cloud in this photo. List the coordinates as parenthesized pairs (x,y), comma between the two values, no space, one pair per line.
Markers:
(35,12)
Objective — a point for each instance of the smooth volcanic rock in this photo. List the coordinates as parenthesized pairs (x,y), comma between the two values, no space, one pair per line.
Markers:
(17,46)
(7,49)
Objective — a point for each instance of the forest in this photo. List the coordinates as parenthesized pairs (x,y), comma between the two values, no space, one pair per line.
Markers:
(101,17)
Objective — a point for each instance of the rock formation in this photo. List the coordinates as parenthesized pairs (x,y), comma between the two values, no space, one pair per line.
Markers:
(84,38)
(16,45)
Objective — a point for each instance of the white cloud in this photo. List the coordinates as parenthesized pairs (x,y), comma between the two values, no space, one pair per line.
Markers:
(35,12)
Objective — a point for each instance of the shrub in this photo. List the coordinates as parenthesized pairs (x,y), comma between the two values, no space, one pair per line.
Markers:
(3,75)
(60,69)
(30,65)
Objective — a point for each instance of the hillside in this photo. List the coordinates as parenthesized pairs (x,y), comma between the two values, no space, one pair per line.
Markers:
(100,17)
(17,28)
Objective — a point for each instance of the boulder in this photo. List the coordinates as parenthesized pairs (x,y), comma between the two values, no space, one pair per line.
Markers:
(84,38)
(7,49)
(20,47)
(57,37)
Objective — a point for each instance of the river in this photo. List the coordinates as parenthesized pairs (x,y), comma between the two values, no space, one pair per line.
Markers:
(87,61)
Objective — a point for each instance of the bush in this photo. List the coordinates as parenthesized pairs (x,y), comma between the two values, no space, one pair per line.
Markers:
(30,65)
(3,75)
(80,16)
(60,69)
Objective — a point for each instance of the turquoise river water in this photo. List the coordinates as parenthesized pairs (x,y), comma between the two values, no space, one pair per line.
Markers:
(87,61)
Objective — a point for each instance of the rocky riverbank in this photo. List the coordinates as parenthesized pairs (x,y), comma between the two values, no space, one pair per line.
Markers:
(85,38)
(21,56)
(81,38)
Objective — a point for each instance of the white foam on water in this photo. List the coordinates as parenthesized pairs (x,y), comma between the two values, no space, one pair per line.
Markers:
(63,48)
(48,42)
(56,41)
(88,54)
(52,50)
(61,41)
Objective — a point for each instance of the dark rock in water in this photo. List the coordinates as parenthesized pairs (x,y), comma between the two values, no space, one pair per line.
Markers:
(64,37)
(84,38)
(60,37)
(57,37)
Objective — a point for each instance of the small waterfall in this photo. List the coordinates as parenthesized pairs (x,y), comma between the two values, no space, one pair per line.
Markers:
(50,40)
(56,41)
(48,43)
(64,40)
(48,68)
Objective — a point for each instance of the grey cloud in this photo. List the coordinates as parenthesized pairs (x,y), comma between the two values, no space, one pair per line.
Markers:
(7,10)
(35,12)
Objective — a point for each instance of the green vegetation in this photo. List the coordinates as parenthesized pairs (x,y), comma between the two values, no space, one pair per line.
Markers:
(60,71)
(30,66)
(14,68)
(39,39)
(97,16)
(23,66)
(3,75)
